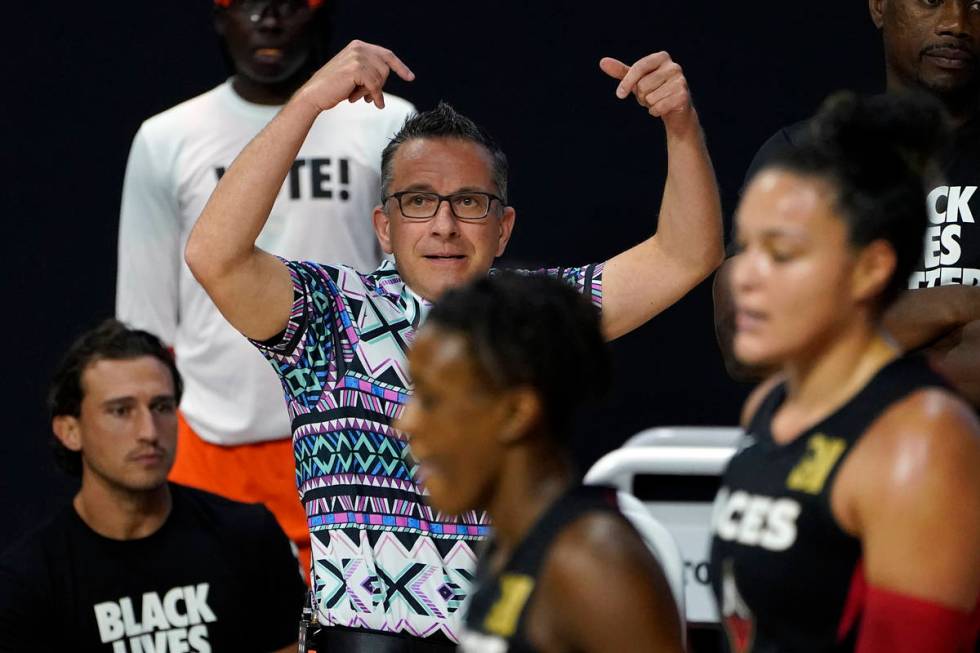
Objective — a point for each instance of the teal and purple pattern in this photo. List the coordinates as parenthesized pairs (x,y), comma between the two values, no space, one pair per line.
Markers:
(382,558)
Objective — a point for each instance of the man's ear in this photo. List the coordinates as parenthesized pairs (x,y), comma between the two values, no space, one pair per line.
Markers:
(874,270)
(525,410)
(68,432)
(877,10)
(506,228)
(382,228)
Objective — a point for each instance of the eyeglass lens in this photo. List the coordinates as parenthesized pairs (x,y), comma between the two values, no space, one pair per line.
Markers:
(468,206)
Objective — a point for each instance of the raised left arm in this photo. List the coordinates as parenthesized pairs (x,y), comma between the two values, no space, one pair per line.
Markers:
(644,280)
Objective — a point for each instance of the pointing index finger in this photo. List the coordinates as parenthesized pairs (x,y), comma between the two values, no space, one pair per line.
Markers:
(398,66)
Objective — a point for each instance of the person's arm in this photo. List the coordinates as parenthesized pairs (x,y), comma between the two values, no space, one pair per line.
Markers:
(601,590)
(911,493)
(149,255)
(921,317)
(252,288)
(960,363)
(945,321)
(644,280)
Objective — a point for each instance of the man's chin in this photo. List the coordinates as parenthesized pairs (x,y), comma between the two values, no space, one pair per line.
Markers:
(951,88)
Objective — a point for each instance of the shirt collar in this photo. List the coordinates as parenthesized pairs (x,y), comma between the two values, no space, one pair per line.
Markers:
(415,307)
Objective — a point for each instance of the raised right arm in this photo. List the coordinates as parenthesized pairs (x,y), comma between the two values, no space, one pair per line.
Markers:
(250,287)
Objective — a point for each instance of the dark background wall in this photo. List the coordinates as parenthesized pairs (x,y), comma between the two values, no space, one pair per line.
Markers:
(587,169)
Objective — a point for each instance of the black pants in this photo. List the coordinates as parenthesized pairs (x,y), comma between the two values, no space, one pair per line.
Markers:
(344,640)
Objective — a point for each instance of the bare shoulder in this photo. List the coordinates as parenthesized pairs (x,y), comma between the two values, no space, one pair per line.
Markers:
(933,422)
(598,539)
(760,392)
(924,447)
(605,591)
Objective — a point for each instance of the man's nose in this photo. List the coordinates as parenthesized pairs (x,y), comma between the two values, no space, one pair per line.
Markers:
(954,19)
(147,428)
(444,223)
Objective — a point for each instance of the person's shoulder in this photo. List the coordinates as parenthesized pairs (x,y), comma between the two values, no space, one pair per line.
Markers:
(232,517)
(173,122)
(927,441)
(345,277)
(33,550)
(928,419)
(602,548)
(784,138)
(597,540)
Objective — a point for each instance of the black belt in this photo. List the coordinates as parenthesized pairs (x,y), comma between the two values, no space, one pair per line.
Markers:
(345,640)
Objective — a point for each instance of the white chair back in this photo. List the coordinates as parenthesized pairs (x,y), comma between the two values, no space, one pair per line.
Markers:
(677,452)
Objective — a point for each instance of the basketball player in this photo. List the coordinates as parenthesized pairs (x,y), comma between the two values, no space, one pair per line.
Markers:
(500,367)
(850,520)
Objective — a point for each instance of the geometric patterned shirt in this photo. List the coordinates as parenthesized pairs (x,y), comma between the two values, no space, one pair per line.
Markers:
(382,560)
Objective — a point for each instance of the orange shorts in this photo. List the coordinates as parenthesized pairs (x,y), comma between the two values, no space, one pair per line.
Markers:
(262,472)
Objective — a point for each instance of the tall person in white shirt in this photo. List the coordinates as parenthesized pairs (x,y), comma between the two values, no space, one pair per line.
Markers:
(234,436)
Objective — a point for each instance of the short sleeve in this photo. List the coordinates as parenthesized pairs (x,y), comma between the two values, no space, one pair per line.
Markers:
(303,354)
(280,591)
(586,279)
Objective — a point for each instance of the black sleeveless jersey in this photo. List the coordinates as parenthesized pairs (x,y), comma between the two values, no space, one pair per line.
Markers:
(497,614)
(781,566)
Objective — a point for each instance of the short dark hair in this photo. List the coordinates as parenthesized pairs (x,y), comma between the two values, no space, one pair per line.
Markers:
(110,340)
(535,331)
(445,122)
(877,153)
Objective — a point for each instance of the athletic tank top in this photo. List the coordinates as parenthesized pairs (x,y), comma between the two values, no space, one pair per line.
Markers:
(497,614)
(781,566)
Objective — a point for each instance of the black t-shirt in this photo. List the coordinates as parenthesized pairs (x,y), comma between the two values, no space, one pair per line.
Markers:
(951,254)
(217,576)
(781,566)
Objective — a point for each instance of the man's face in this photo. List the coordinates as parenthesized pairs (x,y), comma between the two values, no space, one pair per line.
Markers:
(126,430)
(442,252)
(269,41)
(930,44)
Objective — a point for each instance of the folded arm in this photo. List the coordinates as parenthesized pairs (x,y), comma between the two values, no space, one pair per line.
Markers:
(945,321)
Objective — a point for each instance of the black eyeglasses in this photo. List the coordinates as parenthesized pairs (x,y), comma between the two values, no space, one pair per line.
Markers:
(470,205)
(257,9)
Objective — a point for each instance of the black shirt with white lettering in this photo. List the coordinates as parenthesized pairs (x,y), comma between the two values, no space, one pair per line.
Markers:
(781,566)
(951,253)
(217,576)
